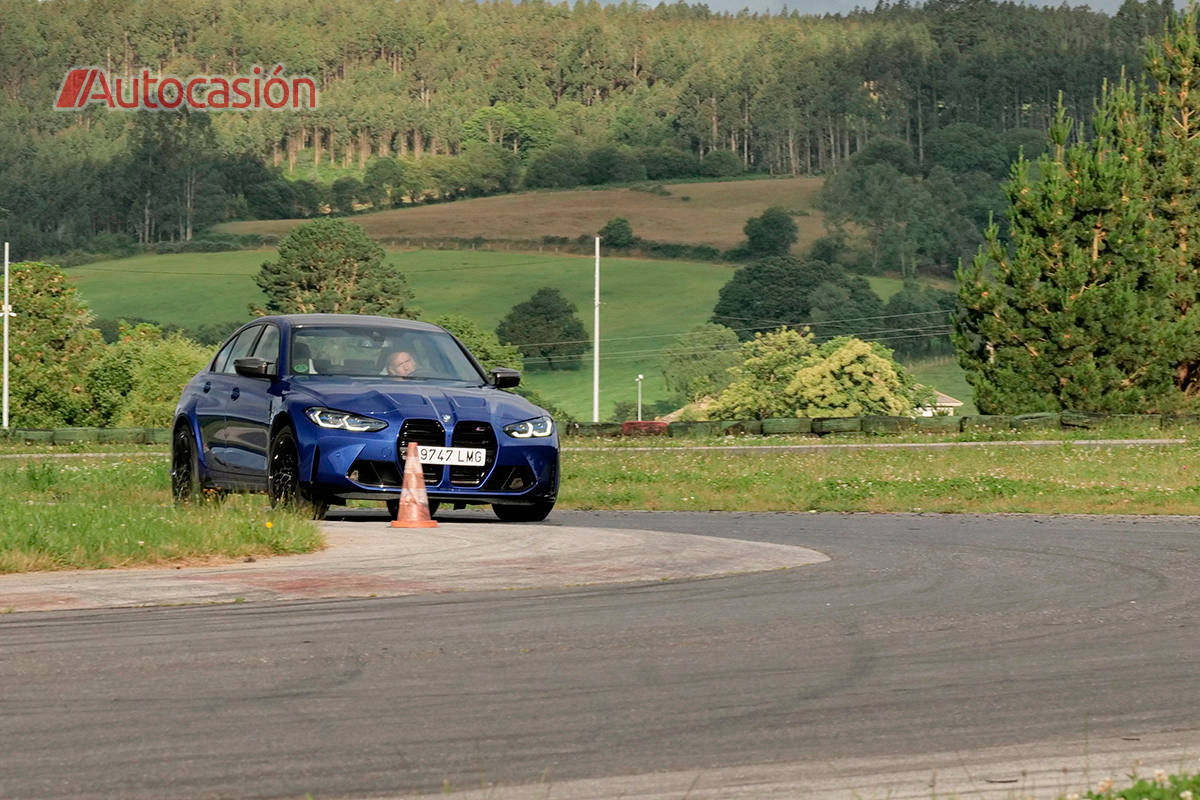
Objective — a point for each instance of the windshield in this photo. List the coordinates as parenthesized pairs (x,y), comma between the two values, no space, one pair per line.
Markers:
(384,352)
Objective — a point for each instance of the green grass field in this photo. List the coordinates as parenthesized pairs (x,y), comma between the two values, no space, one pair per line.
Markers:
(643,303)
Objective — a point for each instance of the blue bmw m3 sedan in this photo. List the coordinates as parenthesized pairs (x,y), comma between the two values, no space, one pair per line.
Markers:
(318,409)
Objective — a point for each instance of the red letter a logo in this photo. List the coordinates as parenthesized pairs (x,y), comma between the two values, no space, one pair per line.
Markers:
(72,94)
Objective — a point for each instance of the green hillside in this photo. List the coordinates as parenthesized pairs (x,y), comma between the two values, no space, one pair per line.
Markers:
(643,305)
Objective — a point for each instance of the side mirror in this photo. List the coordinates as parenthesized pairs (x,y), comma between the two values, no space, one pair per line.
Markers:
(252,367)
(505,378)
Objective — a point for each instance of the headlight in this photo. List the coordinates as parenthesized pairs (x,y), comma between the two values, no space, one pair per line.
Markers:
(539,427)
(342,421)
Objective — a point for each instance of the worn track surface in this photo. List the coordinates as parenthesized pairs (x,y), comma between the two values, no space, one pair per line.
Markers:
(996,656)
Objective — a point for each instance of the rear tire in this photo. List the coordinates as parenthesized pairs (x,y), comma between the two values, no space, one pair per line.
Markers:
(534,513)
(283,478)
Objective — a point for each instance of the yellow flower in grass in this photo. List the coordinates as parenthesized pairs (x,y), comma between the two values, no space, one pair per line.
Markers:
(270,524)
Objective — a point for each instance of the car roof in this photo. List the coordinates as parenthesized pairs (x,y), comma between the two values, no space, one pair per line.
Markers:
(365,320)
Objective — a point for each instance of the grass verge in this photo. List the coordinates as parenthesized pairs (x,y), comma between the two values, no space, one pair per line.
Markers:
(115,510)
(1061,478)
(1161,787)
(112,511)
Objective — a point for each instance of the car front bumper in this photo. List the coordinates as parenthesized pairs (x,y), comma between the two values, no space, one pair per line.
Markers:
(370,466)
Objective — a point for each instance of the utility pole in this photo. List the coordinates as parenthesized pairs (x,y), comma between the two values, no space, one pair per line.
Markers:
(6,312)
(596,342)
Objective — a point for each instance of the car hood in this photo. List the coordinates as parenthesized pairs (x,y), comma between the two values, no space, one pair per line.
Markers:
(426,399)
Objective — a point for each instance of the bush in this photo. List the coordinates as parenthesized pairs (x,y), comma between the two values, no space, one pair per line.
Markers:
(559,167)
(722,164)
(310,198)
(275,199)
(617,232)
(138,379)
(785,374)
(771,234)
(831,249)
(382,181)
(490,168)
(691,252)
(655,189)
(75,258)
(212,333)
(623,410)
(610,164)
(118,245)
(664,163)
(54,346)
(193,246)
(344,192)
(110,329)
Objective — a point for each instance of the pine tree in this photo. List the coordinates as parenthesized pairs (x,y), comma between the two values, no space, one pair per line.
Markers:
(1077,313)
(1173,111)
(332,266)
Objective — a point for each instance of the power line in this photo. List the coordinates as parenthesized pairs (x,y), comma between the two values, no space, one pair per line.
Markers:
(901,334)
(735,330)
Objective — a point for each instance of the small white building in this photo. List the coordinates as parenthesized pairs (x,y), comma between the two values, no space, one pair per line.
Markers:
(943,406)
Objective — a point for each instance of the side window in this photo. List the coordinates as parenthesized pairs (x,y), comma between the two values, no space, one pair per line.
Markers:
(238,348)
(218,364)
(268,345)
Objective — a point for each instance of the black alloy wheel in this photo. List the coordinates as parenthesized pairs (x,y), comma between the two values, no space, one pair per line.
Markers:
(534,513)
(283,478)
(185,485)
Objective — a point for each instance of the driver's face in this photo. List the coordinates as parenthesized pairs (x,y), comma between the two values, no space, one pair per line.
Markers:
(400,363)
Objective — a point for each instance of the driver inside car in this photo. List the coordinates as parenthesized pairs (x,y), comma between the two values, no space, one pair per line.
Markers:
(399,364)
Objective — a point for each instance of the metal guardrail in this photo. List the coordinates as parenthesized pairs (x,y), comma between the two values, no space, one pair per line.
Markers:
(87,435)
(882,425)
(819,426)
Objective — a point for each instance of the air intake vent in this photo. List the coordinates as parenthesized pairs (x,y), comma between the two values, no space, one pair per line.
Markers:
(428,432)
(469,433)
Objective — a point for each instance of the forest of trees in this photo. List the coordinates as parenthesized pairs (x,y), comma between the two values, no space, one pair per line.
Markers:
(784,94)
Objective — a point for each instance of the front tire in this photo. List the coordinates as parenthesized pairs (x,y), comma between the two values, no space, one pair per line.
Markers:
(185,481)
(283,478)
(534,513)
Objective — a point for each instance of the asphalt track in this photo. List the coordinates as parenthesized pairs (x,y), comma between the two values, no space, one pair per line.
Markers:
(995,656)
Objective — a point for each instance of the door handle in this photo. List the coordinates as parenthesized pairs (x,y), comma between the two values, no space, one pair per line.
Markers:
(235,393)
(207,386)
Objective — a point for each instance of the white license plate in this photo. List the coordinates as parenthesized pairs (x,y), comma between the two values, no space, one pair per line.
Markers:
(454,456)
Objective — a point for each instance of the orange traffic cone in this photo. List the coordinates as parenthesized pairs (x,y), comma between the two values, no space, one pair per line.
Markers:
(414,504)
